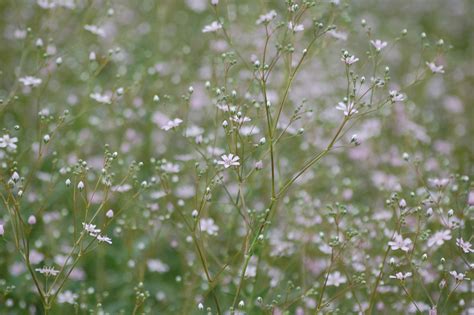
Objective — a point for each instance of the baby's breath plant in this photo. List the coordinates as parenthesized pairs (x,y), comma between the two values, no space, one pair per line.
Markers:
(235,157)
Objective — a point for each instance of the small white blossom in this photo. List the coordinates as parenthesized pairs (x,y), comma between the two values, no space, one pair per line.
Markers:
(396,96)
(110,214)
(207,225)
(464,245)
(458,276)
(401,276)
(348,109)
(8,142)
(30,81)
(172,124)
(229,160)
(96,30)
(400,243)
(90,228)
(31,220)
(434,68)
(336,279)
(439,237)
(48,271)
(101,98)
(349,60)
(378,44)
(213,27)
(104,239)
(267,17)
(67,297)
(295,27)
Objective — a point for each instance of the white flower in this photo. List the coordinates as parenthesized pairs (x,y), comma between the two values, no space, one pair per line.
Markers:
(296,27)
(214,2)
(170,168)
(101,98)
(336,279)
(90,228)
(172,124)
(31,220)
(96,30)
(434,68)
(48,271)
(104,238)
(396,96)
(439,237)
(438,182)
(110,214)
(401,276)
(458,276)
(80,185)
(240,119)
(349,60)
(2,230)
(378,44)
(156,265)
(267,17)
(348,109)
(67,297)
(213,27)
(465,245)
(46,4)
(400,243)
(207,225)
(229,160)
(338,35)
(30,81)
(8,143)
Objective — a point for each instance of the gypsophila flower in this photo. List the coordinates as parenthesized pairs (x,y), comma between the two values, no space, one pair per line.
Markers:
(2,230)
(336,279)
(172,124)
(170,167)
(101,98)
(458,276)
(104,239)
(229,160)
(378,44)
(401,276)
(267,17)
(156,265)
(208,226)
(295,27)
(349,60)
(396,96)
(434,68)
(400,243)
(96,30)
(438,182)
(439,237)
(48,271)
(213,27)
(240,119)
(464,245)
(90,228)
(8,142)
(67,297)
(110,214)
(348,109)
(30,81)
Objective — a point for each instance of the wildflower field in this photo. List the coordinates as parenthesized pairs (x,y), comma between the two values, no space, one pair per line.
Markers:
(236,157)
